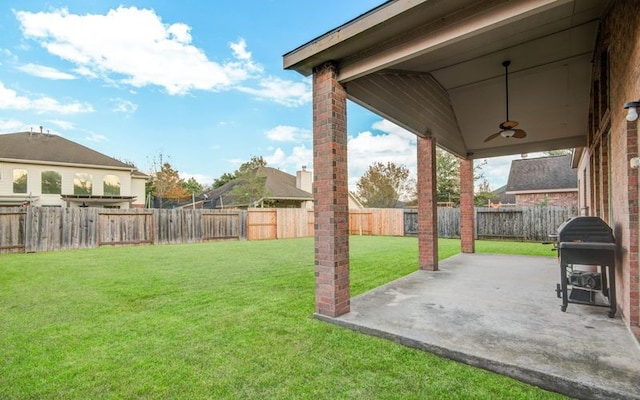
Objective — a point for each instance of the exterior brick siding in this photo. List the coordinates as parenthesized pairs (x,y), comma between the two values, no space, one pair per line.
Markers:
(613,142)
(547,199)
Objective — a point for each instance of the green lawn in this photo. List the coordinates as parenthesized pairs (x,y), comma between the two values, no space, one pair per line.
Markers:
(218,320)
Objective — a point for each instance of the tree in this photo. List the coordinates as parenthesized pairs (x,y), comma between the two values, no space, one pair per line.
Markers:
(171,184)
(192,186)
(382,185)
(447,177)
(223,179)
(250,187)
(484,194)
(253,163)
(165,182)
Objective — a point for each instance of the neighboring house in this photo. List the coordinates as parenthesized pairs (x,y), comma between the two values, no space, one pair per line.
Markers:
(502,198)
(47,170)
(543,181)
(283,190)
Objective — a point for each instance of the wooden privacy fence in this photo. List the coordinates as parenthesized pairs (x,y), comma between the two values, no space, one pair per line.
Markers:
(519,223)
(37,229)
(279,223)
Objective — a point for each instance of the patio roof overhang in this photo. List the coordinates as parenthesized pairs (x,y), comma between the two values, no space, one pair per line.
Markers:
(435,68)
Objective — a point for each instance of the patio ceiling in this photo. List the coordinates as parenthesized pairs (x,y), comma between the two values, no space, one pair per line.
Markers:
(435,68)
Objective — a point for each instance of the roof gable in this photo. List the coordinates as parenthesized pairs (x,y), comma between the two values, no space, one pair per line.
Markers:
(47,148)
(542,174)
(279,185)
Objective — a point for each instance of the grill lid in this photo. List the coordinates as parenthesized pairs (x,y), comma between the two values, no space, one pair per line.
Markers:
(585,229)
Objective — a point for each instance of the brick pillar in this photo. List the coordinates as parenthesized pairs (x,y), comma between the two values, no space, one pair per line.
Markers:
(427,205)
(467,217)
(633,186)
(330,192)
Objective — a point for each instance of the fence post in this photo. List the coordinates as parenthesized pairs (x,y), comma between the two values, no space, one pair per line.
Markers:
(242,223)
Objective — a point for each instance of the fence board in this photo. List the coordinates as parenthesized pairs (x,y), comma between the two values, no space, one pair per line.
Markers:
(293,222)
(387,221)
(360,222)
(520,223)
(262,224)
(125,227)
(221,225)
(12,230)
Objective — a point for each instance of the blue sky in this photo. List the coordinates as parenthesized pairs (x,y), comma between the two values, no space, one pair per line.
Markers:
(201,83)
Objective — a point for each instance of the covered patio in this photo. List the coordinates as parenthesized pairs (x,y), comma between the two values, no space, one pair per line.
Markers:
(481,79)
(501,313)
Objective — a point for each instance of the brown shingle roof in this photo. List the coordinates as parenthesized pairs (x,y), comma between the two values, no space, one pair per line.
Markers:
(544,173)
(279,185)
(47,148)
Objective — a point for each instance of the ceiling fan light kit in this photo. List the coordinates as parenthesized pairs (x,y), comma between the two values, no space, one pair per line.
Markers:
(507,133)
(506,127)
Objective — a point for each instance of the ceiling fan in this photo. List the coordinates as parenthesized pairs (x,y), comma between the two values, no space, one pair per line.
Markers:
(506,127)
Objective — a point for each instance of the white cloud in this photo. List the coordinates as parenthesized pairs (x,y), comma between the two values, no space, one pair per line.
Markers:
(42,71)
(7,55)
(66,125)
(86,72)
(240,50)
(276,159)
(202,179)
(10,100)
(299,156)
(141,51)
(390,144)
(124,106)
(180,32)
(96,137)
(12,125)
(284,92)
(286,133)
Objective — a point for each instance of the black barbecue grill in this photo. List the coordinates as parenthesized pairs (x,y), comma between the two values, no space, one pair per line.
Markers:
(582,242)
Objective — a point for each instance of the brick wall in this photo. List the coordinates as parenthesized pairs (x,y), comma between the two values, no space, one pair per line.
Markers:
(548,199)
(616,80)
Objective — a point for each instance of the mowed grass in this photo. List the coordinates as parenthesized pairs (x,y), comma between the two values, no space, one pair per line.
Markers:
(226,320)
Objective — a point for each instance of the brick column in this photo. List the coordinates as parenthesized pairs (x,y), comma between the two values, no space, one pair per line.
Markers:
(330,192)
(631,282)
(427,205)
(467,217)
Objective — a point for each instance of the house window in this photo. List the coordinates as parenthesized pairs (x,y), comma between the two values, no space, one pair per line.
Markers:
(19,181)
(51,182)
(111,185)
(82,183)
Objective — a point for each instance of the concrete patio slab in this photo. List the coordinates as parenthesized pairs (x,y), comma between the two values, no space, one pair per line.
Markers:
(501,313)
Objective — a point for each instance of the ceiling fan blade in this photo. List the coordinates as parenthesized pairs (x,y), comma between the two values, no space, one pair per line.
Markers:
(508,124)
(491,137)
(519,134)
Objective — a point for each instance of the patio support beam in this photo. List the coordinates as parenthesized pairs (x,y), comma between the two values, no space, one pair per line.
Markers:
(467,230)
(330,192)
(427,204)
